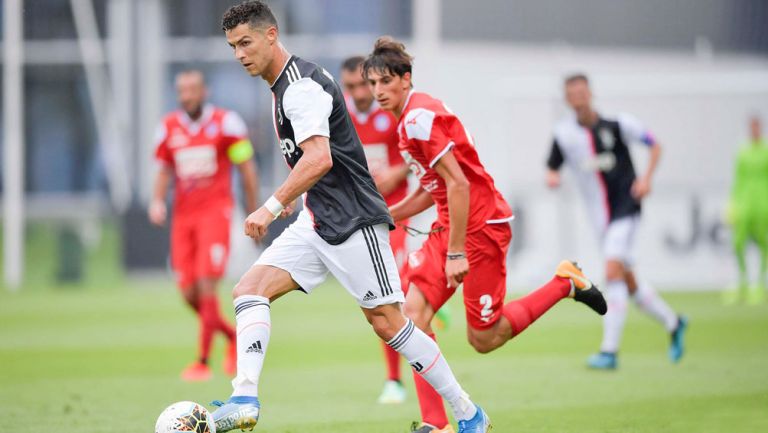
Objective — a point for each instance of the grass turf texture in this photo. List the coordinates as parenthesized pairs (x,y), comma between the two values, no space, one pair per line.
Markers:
(108,361)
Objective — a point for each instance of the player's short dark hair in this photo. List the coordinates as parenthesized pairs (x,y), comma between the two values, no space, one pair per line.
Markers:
(388,57)
(254,12)
(579,76)
(352,64)
(191,71)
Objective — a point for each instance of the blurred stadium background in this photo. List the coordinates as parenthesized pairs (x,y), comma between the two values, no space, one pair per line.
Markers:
(85,82)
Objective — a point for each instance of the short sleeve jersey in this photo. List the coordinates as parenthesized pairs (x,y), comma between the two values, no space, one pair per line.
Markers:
(377,130)
(428,130)
(602,163)
(307,102)
(199,152)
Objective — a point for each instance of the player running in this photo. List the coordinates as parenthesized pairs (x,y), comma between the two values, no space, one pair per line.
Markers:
(597,150)
(197,147)
(469,241)
(343,228)
(748,212)
(377,130)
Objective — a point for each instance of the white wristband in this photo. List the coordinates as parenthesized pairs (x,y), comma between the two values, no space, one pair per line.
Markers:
(274,206)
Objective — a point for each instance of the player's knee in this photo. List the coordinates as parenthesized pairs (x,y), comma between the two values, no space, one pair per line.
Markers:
(614,270)
(383,326)
(190,297)
(479,343)
(420,315)
(251,285)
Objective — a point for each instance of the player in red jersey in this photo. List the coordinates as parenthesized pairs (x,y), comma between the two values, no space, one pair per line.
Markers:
(469,240)
(377,130)
(197,147)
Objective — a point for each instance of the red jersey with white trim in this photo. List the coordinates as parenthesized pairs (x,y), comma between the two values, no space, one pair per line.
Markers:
(377,130)
(428,130)
(197,153)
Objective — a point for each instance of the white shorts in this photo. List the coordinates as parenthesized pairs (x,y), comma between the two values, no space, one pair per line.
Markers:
(363,264)
(619,239)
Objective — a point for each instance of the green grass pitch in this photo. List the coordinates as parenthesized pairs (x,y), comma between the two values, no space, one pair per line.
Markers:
(107,361)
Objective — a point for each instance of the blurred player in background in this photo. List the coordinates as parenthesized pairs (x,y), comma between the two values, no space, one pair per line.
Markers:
(197,147)
(748,212)
(342,229)
(597,149)
(469,241)
(377,130)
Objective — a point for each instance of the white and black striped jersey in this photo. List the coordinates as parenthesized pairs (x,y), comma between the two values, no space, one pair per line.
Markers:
(307,101)
(601,161)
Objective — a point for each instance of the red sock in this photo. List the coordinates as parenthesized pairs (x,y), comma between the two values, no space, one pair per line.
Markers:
(208,324)
(430,402)
(392,359)
(221,324)
(524,311)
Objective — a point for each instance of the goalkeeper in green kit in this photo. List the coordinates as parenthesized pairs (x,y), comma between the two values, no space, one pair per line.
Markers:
(748,213)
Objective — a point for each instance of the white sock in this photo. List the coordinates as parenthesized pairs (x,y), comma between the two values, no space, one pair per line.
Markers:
(617,297)
(424,356)
(253,328)
(648,300)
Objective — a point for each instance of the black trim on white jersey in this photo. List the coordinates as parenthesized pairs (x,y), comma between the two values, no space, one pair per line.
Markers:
(556,159)
(345,199)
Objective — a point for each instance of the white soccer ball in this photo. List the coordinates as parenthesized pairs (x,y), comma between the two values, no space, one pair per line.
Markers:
(185,416)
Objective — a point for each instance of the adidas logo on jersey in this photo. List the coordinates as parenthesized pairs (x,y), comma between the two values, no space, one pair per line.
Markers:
(369,296)
(255,348)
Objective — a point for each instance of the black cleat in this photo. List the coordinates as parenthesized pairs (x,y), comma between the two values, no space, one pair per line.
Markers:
(584,291)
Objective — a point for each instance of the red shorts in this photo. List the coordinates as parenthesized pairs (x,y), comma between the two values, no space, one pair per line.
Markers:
(200,245)
(485,285)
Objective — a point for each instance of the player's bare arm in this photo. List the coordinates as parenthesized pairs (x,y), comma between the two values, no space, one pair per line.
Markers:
(250,179)
(389,179)
(415,203)
(642,185)
(157,208)
(315,162)
(456,264)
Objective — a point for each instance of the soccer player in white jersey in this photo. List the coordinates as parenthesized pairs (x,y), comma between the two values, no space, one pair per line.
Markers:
(343,228)
(596,148)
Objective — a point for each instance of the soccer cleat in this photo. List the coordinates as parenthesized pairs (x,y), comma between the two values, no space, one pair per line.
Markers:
(603,361)
(196,372)
(427,428)
(583,289)
(239,412)
(677,342)
(230,359)
(480,423)
(393,393)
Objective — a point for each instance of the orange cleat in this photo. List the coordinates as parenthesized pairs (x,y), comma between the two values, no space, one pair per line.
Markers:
(196,372)
(583,289)
(230,359)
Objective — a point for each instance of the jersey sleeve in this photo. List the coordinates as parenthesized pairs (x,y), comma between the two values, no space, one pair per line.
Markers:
(239,147)
(555,159)
(308,107)
(633,131)
(429,130)
(162,153)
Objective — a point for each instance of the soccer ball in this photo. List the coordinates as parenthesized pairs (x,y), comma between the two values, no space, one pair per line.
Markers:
(185,416)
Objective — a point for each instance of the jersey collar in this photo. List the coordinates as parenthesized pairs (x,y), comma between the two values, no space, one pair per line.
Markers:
(408,100)
(362,116)
(282,71)
(193,126)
